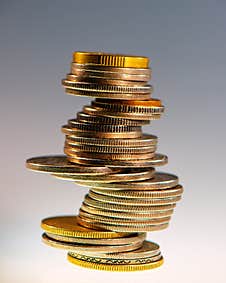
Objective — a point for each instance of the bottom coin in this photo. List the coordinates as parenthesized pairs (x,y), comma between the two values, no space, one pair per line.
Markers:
(115,267)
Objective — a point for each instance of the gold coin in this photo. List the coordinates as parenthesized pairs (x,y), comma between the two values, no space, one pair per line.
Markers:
(101,127)
(108,59)
(112,95)
(68,130)
(158,193)
(92,118)
(60,164)
(118,268)
(125,175)
(128,208)
(144,140)
(157,160)
(151,102)
(108,149)
(89,248)
(73,152)
(69,226)
(147,250)
(126,215)
(160,180)
(132,238)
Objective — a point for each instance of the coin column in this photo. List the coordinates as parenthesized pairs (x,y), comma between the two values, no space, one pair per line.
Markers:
(107,151)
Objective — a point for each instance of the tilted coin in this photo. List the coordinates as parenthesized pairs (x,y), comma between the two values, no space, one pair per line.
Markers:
(115,261)
(89,248)
(160,180)
(108,59)
(124,175)
(69,226)
(115,267)
(134,201)
(60,164)
(108,149)
(68,130)
(112,95)
(131,238)
(157,160)
(73,152)
(89,110)
(158,193)
(147,250)
(144,140)
(126,215)
(128,208)
(92,118)
(148,103)
(101,127)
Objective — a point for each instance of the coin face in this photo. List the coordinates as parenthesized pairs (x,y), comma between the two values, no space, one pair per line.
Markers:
(69,226)
(60,164)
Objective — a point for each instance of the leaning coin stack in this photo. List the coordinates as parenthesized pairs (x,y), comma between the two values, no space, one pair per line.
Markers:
(106,150)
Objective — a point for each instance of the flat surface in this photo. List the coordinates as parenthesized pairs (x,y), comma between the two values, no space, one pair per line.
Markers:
(186,43)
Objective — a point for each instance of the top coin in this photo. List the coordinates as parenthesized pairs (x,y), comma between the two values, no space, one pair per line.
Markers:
(112,60)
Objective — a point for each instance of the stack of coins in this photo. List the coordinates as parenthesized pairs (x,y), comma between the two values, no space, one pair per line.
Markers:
(106,150)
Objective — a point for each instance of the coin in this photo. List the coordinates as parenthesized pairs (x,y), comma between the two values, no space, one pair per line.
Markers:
(68,130)
(73,152)
(115,267)
(112,95)
(147,250)
(132,238)
(60,164)
(159,181)
(105,88)
(124,175)
(157,160)
(125,74)
(101,127)
(116,221)
(89,248)
(144,140)
(109,149)
(103,80)
(126,215)
(128,208)
(89,110)
(69,226)
(92,118)
(119,228)
(158,193)
(108,59)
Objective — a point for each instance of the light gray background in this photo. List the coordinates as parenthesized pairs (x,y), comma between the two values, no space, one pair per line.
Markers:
(186,41)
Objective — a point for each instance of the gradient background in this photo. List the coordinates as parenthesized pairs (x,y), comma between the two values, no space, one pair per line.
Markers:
(186,41)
